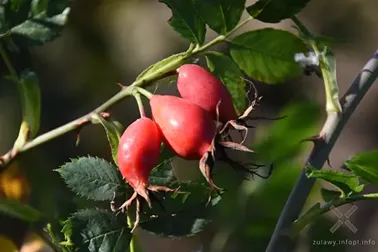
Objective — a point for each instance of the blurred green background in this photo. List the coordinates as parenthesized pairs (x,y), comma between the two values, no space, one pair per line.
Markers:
(112,41)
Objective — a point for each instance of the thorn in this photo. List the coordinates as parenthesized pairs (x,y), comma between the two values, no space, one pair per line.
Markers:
(314,139)
(329,163)
(78,131)
(105,115)
(120,85)
(77,142)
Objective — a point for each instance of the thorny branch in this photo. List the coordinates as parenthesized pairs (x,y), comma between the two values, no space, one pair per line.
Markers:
(324,143)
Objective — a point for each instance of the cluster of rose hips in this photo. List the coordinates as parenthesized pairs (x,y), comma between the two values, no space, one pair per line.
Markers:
(194,126)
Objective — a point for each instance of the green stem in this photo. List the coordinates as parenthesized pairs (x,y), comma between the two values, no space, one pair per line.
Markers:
(302,27)
(222,38)
(144,92)
(144,81)
(8,64)
(49,240)
(132,242)
(139,101)
(327,68)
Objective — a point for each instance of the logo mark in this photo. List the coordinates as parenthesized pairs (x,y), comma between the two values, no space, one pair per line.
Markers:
(343,219)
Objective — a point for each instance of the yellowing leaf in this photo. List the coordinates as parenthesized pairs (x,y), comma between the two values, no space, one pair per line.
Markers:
(14,184)
(7,245)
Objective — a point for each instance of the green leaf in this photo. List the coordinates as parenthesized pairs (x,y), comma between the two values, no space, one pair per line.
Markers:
(345,183)
(329,195)
(221,15)
(273,11)
(2,21)
(365,165)
(16,11)
(19,210)
(93,178)
(166,65)
(303,220)
(231,76)
(38,6)
(31,100)
(50,7)
(113,134)
(185,214)
(186,21)
(267,55)
(56,7)
(39,29)
(97,230)
(163,173)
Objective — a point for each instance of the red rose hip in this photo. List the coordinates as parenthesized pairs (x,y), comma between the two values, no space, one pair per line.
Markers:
(187,129)
(199,86)
(138,152)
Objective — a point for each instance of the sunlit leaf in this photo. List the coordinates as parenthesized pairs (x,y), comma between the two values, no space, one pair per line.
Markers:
(365,165)
(113,134)
(186,21)
(39,29)
(97,230)
(267,55)
(93,178)
(344,182)
(221,15)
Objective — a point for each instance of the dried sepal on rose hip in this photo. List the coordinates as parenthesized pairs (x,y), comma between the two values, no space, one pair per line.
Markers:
(138,153)
(201,87)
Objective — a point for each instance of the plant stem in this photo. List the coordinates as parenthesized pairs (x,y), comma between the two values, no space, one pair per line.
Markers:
(139,101)
(222,38)
(132,242)
(329,134)
(8,64)
(144,92)
(327,67)
(46,238)
(144,81)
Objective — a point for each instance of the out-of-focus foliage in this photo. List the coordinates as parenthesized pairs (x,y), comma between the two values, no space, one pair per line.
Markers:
(242,222)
